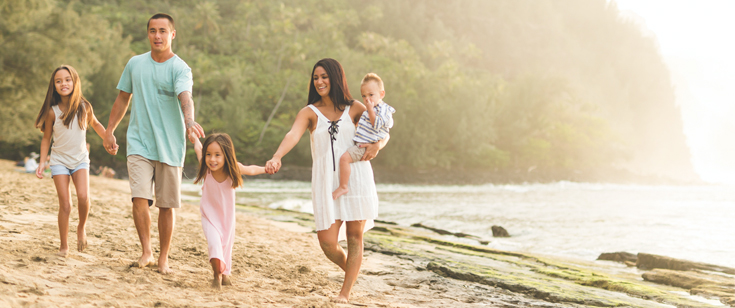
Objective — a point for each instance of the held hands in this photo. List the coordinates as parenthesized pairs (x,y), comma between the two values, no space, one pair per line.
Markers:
(371,150)
(110,144)
(272,166)
(195,140)
(194,131)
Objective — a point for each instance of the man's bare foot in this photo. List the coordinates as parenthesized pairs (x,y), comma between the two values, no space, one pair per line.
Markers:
(63,253)
(81,240)
(216,284)
(163,267)
(226,280)
(341,300)
(339,192)
(143,262)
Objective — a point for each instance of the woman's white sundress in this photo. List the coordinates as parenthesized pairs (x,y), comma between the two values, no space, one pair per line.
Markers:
(361,202)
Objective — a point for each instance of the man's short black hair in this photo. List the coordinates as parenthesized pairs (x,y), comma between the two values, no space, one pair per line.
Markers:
(159,16)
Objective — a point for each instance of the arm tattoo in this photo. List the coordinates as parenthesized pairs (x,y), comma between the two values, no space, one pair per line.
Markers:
(187,107)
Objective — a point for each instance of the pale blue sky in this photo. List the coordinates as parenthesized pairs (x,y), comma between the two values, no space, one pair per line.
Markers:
(697,41)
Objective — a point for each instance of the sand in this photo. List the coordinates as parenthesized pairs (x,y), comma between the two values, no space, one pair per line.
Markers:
(275,264)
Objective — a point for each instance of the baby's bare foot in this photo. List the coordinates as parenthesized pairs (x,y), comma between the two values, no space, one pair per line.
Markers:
(339,192)
(226,280)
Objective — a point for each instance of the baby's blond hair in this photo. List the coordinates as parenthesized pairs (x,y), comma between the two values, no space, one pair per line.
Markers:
(373,77)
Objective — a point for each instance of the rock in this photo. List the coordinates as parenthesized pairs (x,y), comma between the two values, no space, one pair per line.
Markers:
(621,256)
(726,293)
(649,261)
(445,232)
(499,231)
(437,230)
(686,280)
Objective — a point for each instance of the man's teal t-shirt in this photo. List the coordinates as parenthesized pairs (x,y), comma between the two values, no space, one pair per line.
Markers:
(156,130)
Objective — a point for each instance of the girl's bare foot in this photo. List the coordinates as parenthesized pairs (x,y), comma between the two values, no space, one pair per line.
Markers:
(226,280)
(339,192)
(81,240)
(341,300)
(216,284)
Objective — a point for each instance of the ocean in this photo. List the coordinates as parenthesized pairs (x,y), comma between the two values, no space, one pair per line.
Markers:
(576,220)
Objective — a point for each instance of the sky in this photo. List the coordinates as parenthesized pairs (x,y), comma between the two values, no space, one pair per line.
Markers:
(697,41)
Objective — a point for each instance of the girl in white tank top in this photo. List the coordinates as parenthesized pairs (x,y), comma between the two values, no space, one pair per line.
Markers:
(65,116)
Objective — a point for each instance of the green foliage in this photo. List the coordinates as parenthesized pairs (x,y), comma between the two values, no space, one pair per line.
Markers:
(476,84)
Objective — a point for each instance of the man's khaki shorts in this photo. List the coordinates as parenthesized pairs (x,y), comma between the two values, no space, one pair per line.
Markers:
(144,173)
(356,152)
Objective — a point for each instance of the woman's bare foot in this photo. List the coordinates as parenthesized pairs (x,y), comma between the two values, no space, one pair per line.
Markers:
(339,192)
(63,253)
(226,280)
(81,240)
(341,300)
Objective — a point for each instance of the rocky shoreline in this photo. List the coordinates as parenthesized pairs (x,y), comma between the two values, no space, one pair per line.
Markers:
(541,281)
(277,263)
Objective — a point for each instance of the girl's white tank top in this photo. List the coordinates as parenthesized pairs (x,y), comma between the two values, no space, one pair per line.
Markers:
(69,143)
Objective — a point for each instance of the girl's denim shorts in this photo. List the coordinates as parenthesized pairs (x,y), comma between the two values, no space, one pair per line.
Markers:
(63,170)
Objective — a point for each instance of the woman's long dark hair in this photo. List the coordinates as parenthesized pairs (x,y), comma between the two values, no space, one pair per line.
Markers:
(338,91)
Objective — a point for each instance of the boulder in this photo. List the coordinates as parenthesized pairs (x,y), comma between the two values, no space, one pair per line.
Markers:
(499,231)
(621,256)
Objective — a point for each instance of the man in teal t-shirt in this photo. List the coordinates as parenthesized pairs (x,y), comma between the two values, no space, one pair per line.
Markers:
(162,114)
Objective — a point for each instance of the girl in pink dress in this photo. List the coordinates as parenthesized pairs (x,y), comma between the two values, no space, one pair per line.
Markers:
(220,174)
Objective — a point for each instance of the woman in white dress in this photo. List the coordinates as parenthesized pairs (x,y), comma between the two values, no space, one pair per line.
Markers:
(331,116)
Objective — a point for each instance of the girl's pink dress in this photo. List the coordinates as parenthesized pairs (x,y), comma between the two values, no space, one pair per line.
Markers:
(218,219)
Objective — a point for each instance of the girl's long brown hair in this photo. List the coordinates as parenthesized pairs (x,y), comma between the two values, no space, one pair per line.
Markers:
(228,150)
(78,105)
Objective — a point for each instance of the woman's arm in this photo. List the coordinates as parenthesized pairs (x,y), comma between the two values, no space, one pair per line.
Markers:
(356,111)
(45,143)
(372,149)
(250,170)
(300,125)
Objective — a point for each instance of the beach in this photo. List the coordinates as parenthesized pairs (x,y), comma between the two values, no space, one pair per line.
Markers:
(277,262)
